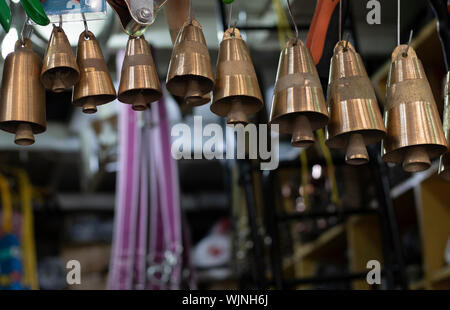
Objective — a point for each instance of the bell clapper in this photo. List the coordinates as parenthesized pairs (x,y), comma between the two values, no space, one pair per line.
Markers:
(139,103)
(236,114)
(302,134)
(193,89)
(90,107)
(356,150)
(24,134)
(58,84)
(416,159)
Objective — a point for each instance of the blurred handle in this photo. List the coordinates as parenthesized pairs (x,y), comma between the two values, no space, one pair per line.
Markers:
(176,15)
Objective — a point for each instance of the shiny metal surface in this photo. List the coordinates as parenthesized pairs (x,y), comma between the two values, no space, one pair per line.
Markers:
(298,104)
(190,72)
(414,129)
(60,70)
(444,164)
(139,81)
(95,86)
(22,99)
(353,107)
(236,91)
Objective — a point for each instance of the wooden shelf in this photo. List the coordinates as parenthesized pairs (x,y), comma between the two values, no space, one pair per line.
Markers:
(327,241)
(441,275)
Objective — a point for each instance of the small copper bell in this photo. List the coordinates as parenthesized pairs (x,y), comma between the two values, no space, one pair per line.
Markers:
(95,86)
(355,118)
(236,91)
(60,70)
(444,164)
(298,104)
(22,99)
(190,72)
(414,129)
(139,81)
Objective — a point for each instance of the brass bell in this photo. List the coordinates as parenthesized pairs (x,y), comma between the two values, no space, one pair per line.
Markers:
(60,70)
(22,99)
(139,81)
(355,118)
(236,92)
(95,86)
(298,104)
(414,129)
(195,102)
(444,164)
(190,72)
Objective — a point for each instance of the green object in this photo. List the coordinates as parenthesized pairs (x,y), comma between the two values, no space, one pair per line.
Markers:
(5,15)
(35,11)
(227,1)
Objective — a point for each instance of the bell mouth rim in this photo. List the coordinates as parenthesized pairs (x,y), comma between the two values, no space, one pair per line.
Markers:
(396,156)
(177,84)
(283,119)
(36,127)
(222,106)
(371,136)
(150,95)
(100,99)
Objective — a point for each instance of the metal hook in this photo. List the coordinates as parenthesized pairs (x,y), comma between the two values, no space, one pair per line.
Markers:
(340,20)
(346,42)
(23,34)
(398,22)
(405,54)
(292,18)
(234,28)
(86,30)
(60,21)
(190,12)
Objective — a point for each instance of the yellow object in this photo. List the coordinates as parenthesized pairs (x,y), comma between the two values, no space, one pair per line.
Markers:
(6,205)
(28,245)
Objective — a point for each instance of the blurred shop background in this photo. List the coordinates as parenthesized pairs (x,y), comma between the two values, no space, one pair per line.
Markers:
(292,227)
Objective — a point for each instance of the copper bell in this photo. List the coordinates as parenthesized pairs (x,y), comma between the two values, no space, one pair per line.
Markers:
(444,164)
(139,81)
(22,99)
(60,70)
(236,92)
(355,118)
(414,129)
(190,72)
(95,86)
(298,104)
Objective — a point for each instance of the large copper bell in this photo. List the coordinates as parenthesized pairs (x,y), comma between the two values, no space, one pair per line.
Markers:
(355,118)
(444,164)
(139,81)
(414,129)
(22,99)
(190,73)
(236,91)
(60,70)
(298,104)
(95,86)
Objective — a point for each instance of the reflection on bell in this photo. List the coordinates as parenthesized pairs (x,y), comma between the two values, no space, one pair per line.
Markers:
(444,164)
(60,70)
(198,101)
(414,129)
(139,81)
(236,91)
(95,86)
(22,98)
(298,105)
(190,72)
(355,118)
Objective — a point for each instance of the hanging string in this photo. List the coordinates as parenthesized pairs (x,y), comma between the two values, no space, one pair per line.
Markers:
(398,22)
(229,15)
(340,20)
(86,30)
(190,12)
(293,19)
(405,54)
